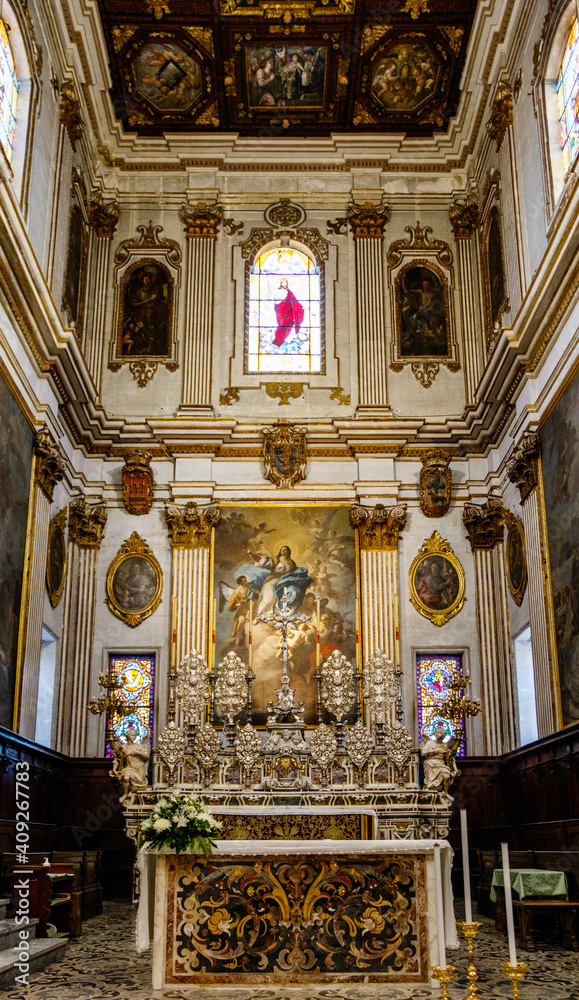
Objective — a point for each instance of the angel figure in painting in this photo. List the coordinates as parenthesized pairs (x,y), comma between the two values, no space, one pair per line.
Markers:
(289,313)
(440,768)
(131,764)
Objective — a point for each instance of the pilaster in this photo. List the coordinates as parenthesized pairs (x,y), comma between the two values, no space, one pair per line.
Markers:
(367,223)
(85,533)
(464,219)
(485,529)
(524,470)
(202,222)
(104,220)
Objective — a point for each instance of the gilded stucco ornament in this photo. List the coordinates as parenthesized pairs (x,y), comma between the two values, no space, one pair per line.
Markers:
(338,688)
(367,221)
(49,466)
(86,522)
(398,747)
(501,114)
(191,525)
(379,526)
(285,454)
(379,684)
(523,469)
(436,581)
(171,747)
(484,524)
(435,483)
(359,744)
(193,685)
(231,685)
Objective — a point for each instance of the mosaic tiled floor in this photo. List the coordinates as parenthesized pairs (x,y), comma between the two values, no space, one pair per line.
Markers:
(103,965)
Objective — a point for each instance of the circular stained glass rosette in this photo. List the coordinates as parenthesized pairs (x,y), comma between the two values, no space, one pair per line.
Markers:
(135,681)
(437,722)
(436,680)
(132,721)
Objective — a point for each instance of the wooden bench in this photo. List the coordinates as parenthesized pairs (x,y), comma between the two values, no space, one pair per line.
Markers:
(565,910)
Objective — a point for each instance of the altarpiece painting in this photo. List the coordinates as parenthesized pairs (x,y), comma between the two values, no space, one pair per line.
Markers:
(259,553)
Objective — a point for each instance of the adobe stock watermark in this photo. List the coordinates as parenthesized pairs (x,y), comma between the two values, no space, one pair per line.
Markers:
(22,884)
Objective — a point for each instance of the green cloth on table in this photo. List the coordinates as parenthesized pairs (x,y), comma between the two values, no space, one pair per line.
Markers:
(531,882)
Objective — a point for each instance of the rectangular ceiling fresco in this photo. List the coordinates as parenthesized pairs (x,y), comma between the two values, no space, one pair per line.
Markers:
(302,67)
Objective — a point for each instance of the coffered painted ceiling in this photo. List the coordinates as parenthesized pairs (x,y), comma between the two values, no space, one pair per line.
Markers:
(295,68)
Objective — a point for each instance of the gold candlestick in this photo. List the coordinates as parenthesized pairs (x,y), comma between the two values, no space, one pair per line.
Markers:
(515,974)
(470,931)
(444,977)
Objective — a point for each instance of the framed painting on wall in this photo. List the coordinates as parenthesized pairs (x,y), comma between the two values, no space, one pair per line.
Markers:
(262,551)
(56,558)
(437,581)
(134,582)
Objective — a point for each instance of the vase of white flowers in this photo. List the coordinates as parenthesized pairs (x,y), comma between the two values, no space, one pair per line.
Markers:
(182,823)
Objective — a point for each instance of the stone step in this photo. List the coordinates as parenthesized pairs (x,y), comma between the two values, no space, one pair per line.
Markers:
(43,951)
(10,932)
(3,904)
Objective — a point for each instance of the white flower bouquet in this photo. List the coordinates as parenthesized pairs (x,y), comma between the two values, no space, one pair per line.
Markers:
(182,823)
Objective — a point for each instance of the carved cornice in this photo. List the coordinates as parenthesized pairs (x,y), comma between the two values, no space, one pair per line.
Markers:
(379,526)
(523,469)
(70,113)
(501,114)
(104,218)
(86,522)
(367,221)
(49,467)
(191,525)
(419,238)
(201,220)
(149,239)
(485,525)
(464,219)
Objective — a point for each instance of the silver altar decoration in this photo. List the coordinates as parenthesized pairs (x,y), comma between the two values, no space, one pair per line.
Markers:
(379,684)
(171,747)
(231,685)
(323,746)
(207,746)
(398,746)
(282,617)
(359,744)
(193,686)
(338,685)
(247,748)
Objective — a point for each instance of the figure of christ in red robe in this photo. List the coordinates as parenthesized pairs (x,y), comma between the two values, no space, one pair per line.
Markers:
(289,313)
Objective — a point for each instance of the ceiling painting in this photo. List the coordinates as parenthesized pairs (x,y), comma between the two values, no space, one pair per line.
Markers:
(297,68)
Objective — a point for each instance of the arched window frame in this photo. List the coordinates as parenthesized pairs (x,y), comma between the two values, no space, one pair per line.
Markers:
(27,57)
(550,53)
(310,250)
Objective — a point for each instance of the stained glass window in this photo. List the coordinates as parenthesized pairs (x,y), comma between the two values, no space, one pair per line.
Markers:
(568,96)
(284,332)
(434,674)
(8,93)
(137,675)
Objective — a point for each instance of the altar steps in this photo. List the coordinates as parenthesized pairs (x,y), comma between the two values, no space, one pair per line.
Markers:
(42,951)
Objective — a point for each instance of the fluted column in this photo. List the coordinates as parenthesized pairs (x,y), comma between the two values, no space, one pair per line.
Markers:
(524,471)
(201,226)
(367,223)
(48,471)
(104,220)
(485,528)
(85,533)
(464,218)
(379,530)
(190,527)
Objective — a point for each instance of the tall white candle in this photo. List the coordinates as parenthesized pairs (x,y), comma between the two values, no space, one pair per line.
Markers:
(509,904)
(439,907)
(465,867)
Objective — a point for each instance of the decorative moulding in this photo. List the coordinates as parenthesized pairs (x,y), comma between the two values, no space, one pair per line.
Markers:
(191,525)
(285,454)
(379,526)
(138,482)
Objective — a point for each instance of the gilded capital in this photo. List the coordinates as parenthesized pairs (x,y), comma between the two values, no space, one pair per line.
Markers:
(86,522)
(379,526)
(501,114)
(367,221)
(70,112)
(485,525)
(523,469)
(104,218)
(464,218)
(201,220)
(191,525)
(49,468)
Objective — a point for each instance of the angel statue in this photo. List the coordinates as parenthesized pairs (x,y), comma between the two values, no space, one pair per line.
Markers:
(440,768)
(131,764)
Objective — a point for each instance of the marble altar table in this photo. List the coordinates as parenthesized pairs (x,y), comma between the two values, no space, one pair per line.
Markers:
(295,911)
